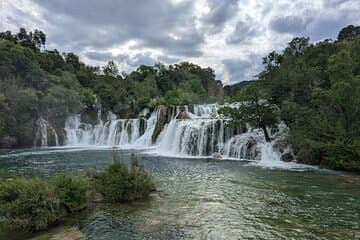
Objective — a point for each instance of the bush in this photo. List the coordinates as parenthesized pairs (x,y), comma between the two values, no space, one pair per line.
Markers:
(118,183)
(34,204)
(71,192)
(30,204)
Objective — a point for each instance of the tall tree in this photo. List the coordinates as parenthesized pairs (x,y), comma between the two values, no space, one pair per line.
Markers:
(349,33)
(253,109)
(111,69)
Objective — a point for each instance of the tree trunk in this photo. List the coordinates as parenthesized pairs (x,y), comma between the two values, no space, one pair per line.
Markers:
(267,138)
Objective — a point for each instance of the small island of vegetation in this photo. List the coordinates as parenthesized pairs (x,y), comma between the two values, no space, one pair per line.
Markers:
(34,204)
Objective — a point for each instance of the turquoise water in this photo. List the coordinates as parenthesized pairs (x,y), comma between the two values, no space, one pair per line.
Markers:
(204,199)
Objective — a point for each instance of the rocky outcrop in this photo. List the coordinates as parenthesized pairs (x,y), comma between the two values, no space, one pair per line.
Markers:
(160,124)
(217,156)
(282,146)
(287,157)
(142,127)
(251,150)
(183,115)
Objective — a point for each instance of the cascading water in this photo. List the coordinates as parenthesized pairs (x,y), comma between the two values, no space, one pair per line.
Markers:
(113,132)
(45,134)
(176,131)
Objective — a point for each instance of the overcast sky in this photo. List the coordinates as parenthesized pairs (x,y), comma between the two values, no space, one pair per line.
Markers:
(231,36)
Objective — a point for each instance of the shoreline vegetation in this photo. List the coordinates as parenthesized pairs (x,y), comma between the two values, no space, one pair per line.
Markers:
(35,204)
(313,87)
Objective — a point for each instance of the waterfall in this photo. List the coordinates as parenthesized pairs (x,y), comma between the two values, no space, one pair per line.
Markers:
(205,110)
(176,131)
(45,134)
(113,132)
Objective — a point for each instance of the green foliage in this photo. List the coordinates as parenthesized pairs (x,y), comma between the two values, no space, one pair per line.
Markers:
(317,88)
(57,85)
(118,183)
(254,109)
(71,191)
(111,69)
(349,33)
(35,204)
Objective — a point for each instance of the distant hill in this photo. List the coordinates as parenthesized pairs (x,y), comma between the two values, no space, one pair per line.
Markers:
(230,90)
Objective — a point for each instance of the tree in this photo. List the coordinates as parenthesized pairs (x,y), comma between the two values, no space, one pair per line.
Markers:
(297,46)
(72,60)
(272,60)
(349,33)
(111,69)
(39,38)
(254,109)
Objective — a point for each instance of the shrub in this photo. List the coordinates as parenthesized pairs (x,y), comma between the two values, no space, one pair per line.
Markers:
(118,183)
(30,204)
(71,192)
(34,204)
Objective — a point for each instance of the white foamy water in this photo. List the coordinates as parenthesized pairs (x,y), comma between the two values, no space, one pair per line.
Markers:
(200,133)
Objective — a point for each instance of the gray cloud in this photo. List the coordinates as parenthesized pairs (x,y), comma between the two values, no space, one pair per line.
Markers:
(242,70)
(220,12)
(101,24)
(329,27)
(289,24)
(145,32)
(99,56)
(243,32)
(143,58)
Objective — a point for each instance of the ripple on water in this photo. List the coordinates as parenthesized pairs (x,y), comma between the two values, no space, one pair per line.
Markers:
(205,199)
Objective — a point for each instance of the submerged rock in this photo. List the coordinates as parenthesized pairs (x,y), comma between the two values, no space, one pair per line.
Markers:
(217,156)
(63,233)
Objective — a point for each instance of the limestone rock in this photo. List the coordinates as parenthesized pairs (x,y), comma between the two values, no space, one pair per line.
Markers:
(163,115)
(183,115)
(217,156)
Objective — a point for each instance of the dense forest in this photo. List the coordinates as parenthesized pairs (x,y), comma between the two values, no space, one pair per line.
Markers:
(36,83)
(316,88)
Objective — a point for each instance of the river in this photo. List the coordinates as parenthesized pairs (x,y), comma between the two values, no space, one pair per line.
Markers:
(200,198)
